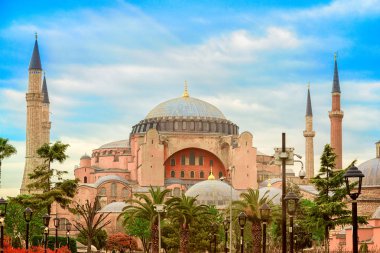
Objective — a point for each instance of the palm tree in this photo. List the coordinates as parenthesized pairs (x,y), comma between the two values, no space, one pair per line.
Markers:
(185,210)
(6,150)
(142,207)
(250,203)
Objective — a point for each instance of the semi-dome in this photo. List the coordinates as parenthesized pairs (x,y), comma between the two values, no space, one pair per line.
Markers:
(273,194)
(115,144)
(213,192)
(371,169)
(185,107)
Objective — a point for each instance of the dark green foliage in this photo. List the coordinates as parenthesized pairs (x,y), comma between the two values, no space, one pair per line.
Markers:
(99,240)
(16,224)
(38,240)
(139,228)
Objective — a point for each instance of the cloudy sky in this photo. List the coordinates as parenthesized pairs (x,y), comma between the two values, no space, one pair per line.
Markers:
(108,63)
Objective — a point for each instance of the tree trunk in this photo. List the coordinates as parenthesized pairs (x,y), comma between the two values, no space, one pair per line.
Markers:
(89,243)
(327,235)
(184,238)
(154,237)
(256,236)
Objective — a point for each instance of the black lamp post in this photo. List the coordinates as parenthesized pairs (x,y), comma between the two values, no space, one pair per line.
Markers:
(3,212)
(226,225)
(68,228)
(265,214)
(242,220)
(291,205)
(354,176)
(214,231)
(28,213)
(46,220)
(211,237)
(56,225)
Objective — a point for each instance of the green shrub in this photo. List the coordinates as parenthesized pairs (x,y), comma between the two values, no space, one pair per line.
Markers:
(62,241)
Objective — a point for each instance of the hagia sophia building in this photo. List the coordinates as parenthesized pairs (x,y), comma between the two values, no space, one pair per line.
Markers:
(186,145)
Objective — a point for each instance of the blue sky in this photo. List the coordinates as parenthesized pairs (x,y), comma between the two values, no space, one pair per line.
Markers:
(108,63)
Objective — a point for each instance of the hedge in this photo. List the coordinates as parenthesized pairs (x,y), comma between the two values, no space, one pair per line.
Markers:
(38,240)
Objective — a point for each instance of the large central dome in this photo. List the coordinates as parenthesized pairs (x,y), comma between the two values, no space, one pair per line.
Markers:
(185,107)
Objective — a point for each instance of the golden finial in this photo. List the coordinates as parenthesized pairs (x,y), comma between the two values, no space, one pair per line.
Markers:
(269,184)
(211,176)
(35,35)
(186,92)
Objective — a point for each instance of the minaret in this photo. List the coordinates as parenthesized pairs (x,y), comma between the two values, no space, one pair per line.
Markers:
(33,117)
(46,124)
(309,135)
(336,116)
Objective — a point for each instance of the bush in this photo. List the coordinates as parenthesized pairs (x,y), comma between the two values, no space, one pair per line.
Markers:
(38,240)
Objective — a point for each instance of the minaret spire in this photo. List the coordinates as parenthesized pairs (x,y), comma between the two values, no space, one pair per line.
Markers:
(309,135)
(185,92)
(35,61)
(336,118)
(45,92)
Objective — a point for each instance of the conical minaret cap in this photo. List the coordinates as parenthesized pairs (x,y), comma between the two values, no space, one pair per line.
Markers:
(309,110)
(45,92)
(336,85)
(35,61)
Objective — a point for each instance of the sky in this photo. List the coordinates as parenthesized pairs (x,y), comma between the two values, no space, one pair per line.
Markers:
(108,63)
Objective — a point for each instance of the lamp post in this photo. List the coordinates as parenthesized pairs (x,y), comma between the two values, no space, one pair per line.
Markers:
(159,208)
(28,217)
(3,212)
(265,214)
(352,177)
(68,228)
(291,204)
(46,220)
(242,220)
(56,225)
(214,231)
(231,169)
(226,225)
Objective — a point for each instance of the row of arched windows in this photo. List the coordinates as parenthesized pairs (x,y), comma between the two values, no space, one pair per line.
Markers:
(192,160)
(192,174)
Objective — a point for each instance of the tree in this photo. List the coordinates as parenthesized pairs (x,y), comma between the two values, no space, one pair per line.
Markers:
(6,150)
(140,228)
(250,203)
(93,222)
(46,192)
(330,208)
(99,240)
(121,242)
(142,206)
(184,210)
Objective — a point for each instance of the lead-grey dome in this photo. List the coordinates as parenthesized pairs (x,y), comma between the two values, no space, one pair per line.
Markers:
(371,171)
(213,192)
(185,107)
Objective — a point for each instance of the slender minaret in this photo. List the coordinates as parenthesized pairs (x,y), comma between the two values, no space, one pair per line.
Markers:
(46,125)
(33,117)
(336,117)
(309,135)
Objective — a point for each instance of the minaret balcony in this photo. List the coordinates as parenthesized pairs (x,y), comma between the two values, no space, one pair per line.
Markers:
(308,133)
(336,114)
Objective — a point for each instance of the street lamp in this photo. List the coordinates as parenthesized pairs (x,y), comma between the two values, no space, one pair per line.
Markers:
(46,220)
(159,208)
(68,228)
(226,225)
(214,231)
(265,214)
(352,177)
(3,212)
(28,213)
(242,220)
(291,204)
(231,169)
(56,225)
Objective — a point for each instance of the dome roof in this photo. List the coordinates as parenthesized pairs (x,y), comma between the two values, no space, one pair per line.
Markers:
(185,107)
(114,207)
(85,156)
(213,192)
(273,193)
(116,144)
(110,178)
(371,171)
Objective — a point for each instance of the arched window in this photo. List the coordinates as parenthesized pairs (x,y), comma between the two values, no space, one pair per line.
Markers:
(115,158)
(192,158)
(192,174)
(183,160)
(62,224)
(201,160)
(220,174)
(202,174)
(172,162)
(103,191)
(182,173)
(85,180)
(113,190)
(172,173)
(211,162)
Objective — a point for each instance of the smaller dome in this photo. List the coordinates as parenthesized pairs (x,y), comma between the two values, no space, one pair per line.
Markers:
(273,193)
(110,178)
(213,192)
(116,144)
(85,157)
(114,207)
(371,171)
